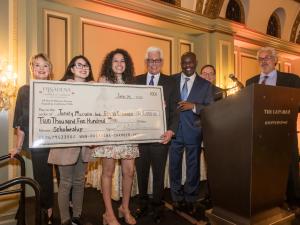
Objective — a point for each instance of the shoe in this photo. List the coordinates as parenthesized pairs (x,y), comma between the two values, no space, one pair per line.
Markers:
(196,211)
(158,215)
(76,221)
(106,221)
(47,219)
(179,206)
(140,212)
(206,202)
(129,219)
(156,218)
(71,208)
(157,212)
(68,222)
(190,208)
(293,203)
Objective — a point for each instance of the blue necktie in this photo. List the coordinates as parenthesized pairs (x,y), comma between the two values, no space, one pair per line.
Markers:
(152,80)
(184,90)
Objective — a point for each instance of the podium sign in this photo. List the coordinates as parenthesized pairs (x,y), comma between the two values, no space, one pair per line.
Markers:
(248,139)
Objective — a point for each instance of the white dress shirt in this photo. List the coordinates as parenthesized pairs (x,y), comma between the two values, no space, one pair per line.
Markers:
(189,83)
(155,79)
(272,78)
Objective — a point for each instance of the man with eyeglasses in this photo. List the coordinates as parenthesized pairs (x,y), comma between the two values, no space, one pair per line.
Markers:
(267,59)
(208,72)
(155,154)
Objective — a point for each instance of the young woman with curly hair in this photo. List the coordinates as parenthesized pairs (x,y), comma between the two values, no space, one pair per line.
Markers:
(117,68)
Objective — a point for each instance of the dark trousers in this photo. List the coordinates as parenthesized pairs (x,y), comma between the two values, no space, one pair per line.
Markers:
(190,191)
(43,174)
(293,185)
(154,155)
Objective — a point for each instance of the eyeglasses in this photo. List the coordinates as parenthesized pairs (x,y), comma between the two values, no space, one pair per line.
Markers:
(209,73)
(154,61)
(267,58)
(82,66)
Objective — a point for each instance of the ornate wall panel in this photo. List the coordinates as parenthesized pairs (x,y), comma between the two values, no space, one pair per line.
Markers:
(249,67)
(287,67)
(199,6)
(294,37)
(213,8)
(278,66)
(225,62)
(185,46)
(100,38)
(57,41)
(173,2)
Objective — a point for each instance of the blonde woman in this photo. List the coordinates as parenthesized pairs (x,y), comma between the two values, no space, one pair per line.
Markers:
(41,69)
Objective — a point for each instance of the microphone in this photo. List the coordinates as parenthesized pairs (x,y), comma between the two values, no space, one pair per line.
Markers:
(234,79)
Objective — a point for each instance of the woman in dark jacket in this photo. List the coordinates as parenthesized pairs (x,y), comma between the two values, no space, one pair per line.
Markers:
(41,69)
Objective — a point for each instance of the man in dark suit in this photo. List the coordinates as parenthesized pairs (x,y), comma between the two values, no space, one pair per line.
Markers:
(267,59)
(155,154)
(195,93)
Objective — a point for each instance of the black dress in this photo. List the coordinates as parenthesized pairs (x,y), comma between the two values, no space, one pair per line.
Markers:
(42,171)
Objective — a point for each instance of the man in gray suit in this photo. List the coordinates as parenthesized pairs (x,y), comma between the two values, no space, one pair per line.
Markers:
(267,59)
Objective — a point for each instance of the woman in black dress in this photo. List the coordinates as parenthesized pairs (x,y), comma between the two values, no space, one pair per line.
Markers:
(41,69)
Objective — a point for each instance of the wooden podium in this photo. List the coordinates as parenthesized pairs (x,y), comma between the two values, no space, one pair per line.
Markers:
(247,138)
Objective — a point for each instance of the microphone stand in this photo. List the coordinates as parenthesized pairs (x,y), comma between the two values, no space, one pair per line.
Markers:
(238,83)
(224,91)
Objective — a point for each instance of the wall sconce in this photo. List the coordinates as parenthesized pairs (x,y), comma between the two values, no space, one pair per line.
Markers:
(8,85)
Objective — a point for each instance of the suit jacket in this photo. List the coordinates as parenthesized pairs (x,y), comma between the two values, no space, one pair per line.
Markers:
(170,98)
(69,155)
(217,92)
(283,79)
(201,95)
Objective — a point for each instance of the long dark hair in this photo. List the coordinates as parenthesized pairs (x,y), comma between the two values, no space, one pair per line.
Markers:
(106,69)
(68,73)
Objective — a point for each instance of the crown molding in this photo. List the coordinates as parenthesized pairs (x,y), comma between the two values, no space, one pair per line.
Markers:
(242,33)
(174,18)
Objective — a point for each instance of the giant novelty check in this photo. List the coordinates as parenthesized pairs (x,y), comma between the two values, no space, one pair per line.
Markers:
(78,114)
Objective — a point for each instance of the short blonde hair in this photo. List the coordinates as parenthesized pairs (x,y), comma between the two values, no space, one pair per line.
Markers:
(44,57)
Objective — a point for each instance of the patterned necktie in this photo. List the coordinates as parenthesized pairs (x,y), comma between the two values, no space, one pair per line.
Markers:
(184,90)
(264,80)
(152,80)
